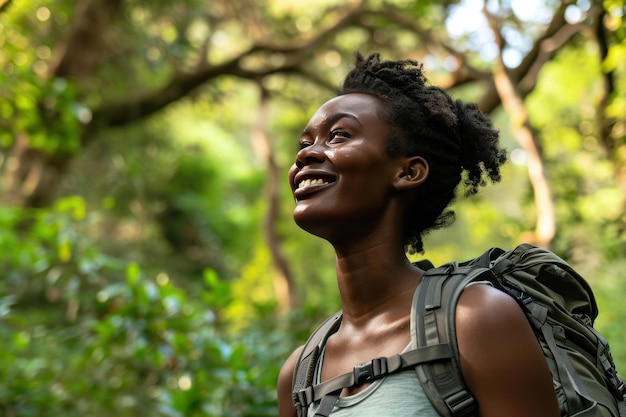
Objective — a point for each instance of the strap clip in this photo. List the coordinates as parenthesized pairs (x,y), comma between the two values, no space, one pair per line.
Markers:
(368,372)
(461,404)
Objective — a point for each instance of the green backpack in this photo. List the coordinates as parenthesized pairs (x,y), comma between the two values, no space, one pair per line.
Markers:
(558,303)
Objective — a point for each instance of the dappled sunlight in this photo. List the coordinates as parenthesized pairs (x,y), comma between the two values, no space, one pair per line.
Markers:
(151,265)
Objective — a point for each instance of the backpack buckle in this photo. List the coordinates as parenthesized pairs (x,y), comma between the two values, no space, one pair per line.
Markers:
(370,371)
(461,403)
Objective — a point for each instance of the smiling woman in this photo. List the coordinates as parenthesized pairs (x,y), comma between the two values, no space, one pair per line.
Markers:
(377,167)
(342,169)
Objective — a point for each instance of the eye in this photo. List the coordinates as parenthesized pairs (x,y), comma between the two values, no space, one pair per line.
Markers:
(338,134)
(302,144)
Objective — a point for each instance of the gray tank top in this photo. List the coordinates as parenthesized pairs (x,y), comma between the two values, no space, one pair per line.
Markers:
(396,395)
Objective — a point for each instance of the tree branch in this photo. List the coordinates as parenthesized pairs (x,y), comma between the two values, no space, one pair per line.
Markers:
(132,109)
(4,5)
(465,73)
(532,62)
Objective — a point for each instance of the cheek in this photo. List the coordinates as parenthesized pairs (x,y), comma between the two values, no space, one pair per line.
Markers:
(369,171)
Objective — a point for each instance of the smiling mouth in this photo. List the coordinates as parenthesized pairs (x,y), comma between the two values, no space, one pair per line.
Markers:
(311,182)
(311,186)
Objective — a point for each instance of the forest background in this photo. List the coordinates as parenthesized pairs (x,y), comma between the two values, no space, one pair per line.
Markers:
(150,265)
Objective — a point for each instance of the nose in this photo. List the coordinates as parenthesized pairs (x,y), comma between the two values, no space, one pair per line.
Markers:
(310,154)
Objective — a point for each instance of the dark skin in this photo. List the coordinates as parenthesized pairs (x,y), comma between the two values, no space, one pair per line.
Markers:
(356,199)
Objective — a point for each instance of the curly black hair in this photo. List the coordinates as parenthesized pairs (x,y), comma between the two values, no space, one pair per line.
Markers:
(457,140)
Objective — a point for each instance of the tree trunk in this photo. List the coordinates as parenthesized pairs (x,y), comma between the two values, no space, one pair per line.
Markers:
(608,126)
(30,176)
(284,282)
(83,51)
(545,224)
(85,47)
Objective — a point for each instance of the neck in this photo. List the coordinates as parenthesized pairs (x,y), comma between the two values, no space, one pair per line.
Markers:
(375,280)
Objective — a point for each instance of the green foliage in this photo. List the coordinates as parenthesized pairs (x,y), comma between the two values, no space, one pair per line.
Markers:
(46,110)
(111,339)
(148,288)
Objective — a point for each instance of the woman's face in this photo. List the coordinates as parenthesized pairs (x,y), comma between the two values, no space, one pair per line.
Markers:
(343,175)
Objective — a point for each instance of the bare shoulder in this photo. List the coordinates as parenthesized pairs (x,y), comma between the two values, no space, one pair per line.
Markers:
(285,381)
(501,359)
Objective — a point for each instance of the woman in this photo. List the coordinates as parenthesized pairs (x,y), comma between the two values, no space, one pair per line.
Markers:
(378,166)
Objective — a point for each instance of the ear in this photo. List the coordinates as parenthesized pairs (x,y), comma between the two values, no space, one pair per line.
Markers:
(412,173)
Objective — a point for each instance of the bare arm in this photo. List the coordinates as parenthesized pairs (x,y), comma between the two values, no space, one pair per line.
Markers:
(501,359)
(285,380)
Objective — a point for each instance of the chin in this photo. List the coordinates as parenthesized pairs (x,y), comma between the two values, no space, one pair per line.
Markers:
(315,226)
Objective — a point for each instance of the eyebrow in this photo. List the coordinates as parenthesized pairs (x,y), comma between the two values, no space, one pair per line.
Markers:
(335,118)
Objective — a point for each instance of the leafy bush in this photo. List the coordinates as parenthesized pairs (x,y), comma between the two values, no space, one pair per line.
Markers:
(87,334)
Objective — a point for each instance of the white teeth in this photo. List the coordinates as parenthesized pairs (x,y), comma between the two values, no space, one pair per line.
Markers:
(308,182)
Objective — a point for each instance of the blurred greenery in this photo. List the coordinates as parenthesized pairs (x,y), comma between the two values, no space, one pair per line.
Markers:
(150,263)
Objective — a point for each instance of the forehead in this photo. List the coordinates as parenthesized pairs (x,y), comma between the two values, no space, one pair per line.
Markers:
(364,107)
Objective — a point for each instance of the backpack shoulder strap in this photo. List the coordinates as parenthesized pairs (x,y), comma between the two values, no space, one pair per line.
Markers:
(434,352)
(305,393)
(433,323)
(305,367)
